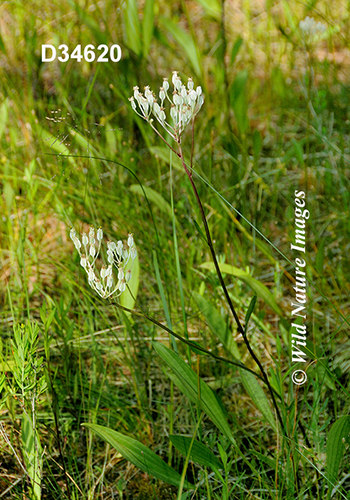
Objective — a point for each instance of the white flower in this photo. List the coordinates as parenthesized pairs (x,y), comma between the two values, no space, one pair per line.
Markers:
(311,29)
(184,103)
(119,256)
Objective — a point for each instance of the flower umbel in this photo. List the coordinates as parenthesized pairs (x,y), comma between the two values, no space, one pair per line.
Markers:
(311,29)
(118,255)
(183,105)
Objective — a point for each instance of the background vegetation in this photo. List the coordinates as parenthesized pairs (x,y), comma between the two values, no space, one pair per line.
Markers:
(275,119)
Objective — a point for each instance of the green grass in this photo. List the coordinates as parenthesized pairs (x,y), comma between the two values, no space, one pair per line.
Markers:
(266,129)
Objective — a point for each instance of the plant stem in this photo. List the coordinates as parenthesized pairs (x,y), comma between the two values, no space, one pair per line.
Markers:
(223,286)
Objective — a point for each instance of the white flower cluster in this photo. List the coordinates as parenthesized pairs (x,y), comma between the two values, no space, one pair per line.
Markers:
(184,105)
(118,255)
(311,28)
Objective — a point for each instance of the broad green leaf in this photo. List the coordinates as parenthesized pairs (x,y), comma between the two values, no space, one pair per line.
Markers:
(147,26)
(153,196)
(335,449)
(258,396)
(127,299)
(196,390)
(198,453)
(213,8)
(132,26)
(32,454)
(186,42)
(138,454)
(261,290)
(217,324)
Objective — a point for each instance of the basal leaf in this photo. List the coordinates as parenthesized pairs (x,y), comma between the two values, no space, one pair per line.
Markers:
(335,449)
(198,452)
(196,390)
(138,454)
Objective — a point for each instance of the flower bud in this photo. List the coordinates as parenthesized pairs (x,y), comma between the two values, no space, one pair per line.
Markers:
(130,240)
(84,239)
(132,102)
(111,246)
(99,234)
(92,251)
(165,84)
(77,243)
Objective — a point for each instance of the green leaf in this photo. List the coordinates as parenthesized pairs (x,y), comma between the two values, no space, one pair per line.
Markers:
(198,452)
(258,396)
(193,349)
(238,97)
(335,449)
(257,144)
(195,389)
(147,26)
(299,151)
(153,196)
(32,454)
(3,116)
(186,42)
(250,311)
(127,298)
(138,454)
(213,8)
(201,234)
(261,290)
(217,324)
(235,49)
(132,26)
